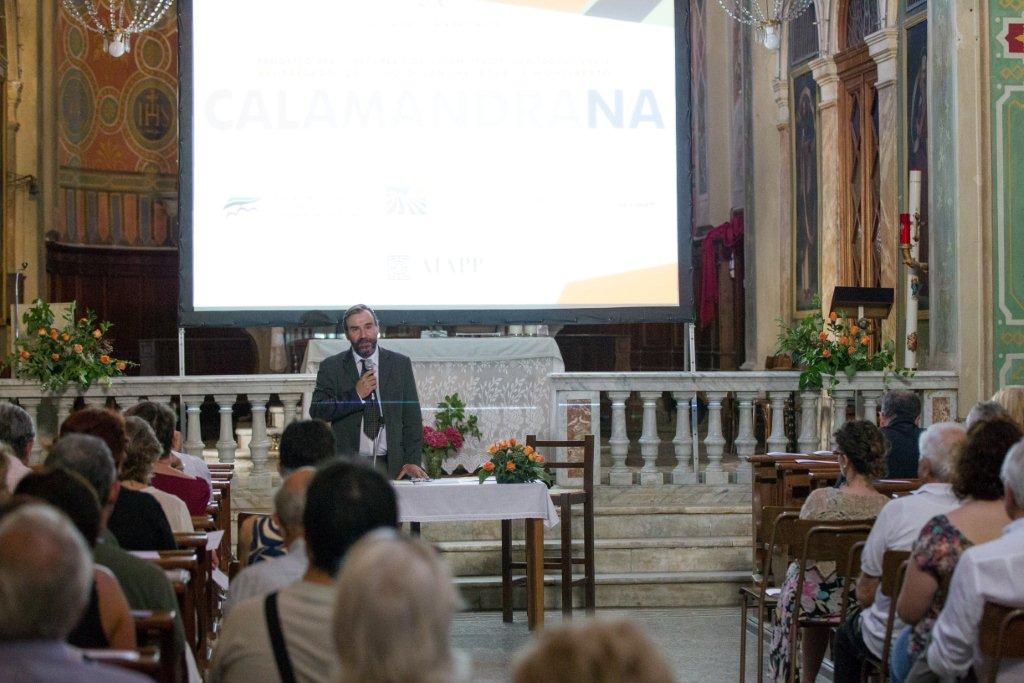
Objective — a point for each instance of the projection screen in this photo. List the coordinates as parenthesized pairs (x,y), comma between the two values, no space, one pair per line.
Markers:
(446,161)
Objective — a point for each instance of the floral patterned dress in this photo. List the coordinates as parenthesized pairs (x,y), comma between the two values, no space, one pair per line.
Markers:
(936,551)
(821,592)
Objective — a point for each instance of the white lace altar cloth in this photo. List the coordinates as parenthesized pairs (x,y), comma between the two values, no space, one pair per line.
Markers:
(504,381)
(464,499)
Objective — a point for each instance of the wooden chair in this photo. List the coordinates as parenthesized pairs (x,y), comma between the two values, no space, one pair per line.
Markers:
(242,554)
(852,571)
(894,569)
(143,661)
(156,629)
(564,500)
(772,517)
(823,541)
(1000,636)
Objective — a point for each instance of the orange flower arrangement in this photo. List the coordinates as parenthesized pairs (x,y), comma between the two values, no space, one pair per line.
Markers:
(514,463)
(77,352)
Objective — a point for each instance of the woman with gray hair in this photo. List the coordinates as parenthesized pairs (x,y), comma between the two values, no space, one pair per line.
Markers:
(393,613)
(141,454)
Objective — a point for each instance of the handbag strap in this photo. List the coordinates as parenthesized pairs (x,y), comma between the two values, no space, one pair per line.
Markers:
(281,658)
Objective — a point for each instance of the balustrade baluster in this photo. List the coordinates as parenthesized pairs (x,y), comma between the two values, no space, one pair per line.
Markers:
(808,439)
(745,442)
(259,444)
(840,400)
(193,428)
(714,442)
(777,441)
(64,406)
(292,408)
(870,398)
(619,474)
(226,444)
(683,442)
(649,440)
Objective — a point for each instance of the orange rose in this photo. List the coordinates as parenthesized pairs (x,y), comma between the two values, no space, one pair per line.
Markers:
(488,466)
(865,340)
(851,349)
(844,340)
(65,337)
(854,329)
(511,442)
(41,331)
(492,449)
(96,334)
(531,457)
(120,365)
(528,450)
(540,458)
(823,336)
(77,348)
(55,356)
(826,354)
(105,359)
(53,333)
(25,355)
(510,466)
(832,316)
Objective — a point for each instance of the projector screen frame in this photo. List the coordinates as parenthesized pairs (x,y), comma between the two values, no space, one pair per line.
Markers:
(189,317)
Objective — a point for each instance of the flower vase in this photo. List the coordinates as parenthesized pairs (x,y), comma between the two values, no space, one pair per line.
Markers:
(435,456)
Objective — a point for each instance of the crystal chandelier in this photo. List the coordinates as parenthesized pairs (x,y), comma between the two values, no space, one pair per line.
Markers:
(117,20)
(767,16)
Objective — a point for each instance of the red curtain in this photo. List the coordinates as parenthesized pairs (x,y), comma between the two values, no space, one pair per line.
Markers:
(730,235)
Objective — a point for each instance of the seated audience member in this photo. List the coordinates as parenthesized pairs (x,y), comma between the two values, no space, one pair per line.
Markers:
(275,573)
(18,432)
(107,621)
(4,490)
(945,537)
(195,491)
(1011,398)
(897,526)
(594,650)
(142,452)
(861,461)
(344,501)
(188,463)
(395,597)
(138,521)
(992,571)
(144,584)
(305,443)
(45,574)
(899,416)
(986,410)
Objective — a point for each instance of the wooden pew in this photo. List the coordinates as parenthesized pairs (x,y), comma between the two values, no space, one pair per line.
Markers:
(146,662)
(156,630)
(794,481)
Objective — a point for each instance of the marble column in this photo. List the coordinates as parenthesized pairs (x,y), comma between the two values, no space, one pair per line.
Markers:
(884,48)
(825,75)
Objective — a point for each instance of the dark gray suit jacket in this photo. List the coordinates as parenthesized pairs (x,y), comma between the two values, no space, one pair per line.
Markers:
(336,401)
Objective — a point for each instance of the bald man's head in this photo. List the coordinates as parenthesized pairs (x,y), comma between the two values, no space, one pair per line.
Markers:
(290,501)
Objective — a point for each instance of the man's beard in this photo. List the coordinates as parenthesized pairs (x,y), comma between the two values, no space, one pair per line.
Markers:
(365,347)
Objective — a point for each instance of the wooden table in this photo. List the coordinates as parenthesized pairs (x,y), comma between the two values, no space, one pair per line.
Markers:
(463,499)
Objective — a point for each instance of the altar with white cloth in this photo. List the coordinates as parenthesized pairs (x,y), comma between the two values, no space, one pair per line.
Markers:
(464,499)
(502,380)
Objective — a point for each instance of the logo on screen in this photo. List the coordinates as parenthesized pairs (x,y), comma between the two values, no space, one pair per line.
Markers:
(402,201)
(236,206)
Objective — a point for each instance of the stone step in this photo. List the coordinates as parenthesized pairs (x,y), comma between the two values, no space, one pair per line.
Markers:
(614,556)
(618,522)
(641,589)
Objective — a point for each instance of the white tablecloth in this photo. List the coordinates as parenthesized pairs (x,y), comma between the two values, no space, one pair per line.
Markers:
(466,499)
(502,380)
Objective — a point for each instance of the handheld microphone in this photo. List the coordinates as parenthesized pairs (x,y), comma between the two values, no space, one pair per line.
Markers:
(368,366)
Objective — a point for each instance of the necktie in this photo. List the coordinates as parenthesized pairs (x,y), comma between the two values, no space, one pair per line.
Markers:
(371,413)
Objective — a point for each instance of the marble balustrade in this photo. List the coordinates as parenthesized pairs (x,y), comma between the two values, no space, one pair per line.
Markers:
(577,411)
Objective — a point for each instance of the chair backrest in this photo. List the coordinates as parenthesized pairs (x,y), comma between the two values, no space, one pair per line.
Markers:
(848,572)
(586,464)
(830,541)
(892,571)
(141,661)
(1001,634)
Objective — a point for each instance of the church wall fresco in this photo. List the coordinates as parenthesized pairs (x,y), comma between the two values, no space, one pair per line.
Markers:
(117,135)
(1006,66)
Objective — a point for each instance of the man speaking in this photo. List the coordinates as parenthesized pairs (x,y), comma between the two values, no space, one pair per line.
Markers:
(369,396)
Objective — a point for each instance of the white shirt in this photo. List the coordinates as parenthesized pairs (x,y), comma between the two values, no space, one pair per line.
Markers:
(272,574)
(365,442)
(992,571)
(897,527)
(194,465)
(175,510)
(306,610)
